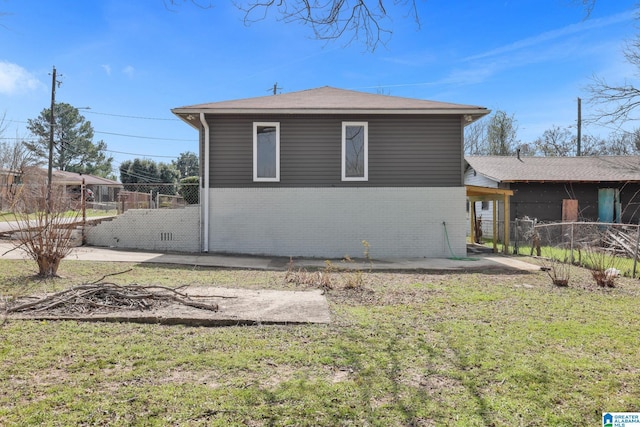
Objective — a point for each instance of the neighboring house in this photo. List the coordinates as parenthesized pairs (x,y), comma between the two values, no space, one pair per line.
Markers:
(588,188)
(317,172)
(104,190)
(9,181)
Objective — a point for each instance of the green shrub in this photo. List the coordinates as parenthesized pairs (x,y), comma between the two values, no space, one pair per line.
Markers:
(190,189)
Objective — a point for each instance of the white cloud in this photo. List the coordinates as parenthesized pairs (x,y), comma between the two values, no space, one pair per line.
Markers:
(554,45)
(106,68)
(129,71)
(15,79)
(548,36)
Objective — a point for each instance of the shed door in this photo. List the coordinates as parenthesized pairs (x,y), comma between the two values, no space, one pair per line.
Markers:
(609,205)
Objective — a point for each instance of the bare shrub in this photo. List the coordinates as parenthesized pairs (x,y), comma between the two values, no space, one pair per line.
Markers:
(300,276)
(44,233)
(331,275)
(558,270)
(603,265)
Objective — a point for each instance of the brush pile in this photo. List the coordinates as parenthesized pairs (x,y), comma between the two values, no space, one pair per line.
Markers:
(621,241)
(106,298)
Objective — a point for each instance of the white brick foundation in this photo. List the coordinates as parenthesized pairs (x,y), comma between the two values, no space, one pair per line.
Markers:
(333,222)
(151,229)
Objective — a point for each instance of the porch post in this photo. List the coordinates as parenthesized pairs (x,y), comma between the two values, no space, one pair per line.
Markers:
(507,215)
(495,225)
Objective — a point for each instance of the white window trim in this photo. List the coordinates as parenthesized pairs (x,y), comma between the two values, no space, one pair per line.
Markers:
(366,151)
(255,152)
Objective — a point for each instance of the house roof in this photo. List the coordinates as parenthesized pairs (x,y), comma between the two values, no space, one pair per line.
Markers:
(328,100)
(557,169)
(71,178)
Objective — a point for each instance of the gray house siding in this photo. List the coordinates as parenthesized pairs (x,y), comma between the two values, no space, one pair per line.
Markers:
(404,151)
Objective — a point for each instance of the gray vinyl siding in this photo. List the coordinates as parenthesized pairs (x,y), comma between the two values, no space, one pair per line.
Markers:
(404,151)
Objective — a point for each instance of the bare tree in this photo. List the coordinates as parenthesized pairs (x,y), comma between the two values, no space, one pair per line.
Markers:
(44,234)
(502,132)
(622,143)
(556,141)
(366,21)
(14,158)
(475,138)
(616,103)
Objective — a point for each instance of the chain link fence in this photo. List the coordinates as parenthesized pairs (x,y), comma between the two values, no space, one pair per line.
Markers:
(113,199)
(570,241)
(157,196)
(594,245)
(520,233)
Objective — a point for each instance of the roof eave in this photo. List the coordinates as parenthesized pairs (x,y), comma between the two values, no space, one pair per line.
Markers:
(439,111)
(190,117)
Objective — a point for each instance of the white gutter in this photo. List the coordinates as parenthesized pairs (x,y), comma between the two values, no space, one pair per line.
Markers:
(205,199)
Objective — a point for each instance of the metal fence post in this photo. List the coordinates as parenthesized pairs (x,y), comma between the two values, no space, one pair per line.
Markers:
(571,244)
(635,255)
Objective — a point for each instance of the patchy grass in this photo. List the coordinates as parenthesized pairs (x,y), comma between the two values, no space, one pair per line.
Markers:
(403,349)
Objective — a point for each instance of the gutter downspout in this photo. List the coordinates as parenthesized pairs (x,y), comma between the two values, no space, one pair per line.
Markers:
(205,199)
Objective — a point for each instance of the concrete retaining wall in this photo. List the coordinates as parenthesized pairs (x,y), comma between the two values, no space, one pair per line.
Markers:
(151,229)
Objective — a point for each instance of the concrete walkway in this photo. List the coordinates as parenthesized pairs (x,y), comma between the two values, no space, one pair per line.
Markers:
(475,263)
(253,307)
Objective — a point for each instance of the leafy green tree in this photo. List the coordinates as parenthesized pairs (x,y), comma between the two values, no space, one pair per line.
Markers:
(187,164)
(147,175)
(190,190)
(74,149)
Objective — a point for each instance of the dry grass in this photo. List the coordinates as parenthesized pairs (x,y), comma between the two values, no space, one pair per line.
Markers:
(403,349)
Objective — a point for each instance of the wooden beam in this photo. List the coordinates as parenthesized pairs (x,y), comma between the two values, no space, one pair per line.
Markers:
(495,226)
(505,249)
(472,215)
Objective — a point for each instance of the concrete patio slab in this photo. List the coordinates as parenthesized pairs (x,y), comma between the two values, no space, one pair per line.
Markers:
(236,307)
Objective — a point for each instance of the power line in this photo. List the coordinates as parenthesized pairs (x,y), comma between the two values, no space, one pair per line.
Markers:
(139,154)
(145,137)
(132,117)
(119,134)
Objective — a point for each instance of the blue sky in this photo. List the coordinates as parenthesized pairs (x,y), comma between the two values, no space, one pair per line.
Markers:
(132,61)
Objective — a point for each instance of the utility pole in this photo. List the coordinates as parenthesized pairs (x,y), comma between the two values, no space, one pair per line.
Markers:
(579,136)
(275,88)
(51,126)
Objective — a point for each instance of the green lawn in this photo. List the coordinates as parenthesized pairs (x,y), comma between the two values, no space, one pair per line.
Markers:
(90,213)
(584,258)
(404,350)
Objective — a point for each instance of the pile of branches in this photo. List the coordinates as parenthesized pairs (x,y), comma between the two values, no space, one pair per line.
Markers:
(108,297)
(621,241)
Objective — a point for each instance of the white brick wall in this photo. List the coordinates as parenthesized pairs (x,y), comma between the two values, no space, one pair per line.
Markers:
(333,222)
(151,229)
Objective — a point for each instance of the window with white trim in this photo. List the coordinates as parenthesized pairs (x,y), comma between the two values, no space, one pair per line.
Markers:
(266,151)
(355,151)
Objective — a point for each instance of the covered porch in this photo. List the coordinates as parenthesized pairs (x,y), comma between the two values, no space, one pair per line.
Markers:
(487,194)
